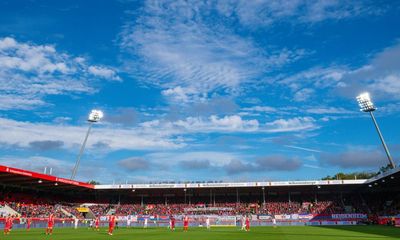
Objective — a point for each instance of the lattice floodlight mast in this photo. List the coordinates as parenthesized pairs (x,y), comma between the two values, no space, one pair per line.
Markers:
(366,105)
(94,116)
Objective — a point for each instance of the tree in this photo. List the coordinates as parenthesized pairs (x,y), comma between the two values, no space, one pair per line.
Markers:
(349,176)
(384,169)
(93,182)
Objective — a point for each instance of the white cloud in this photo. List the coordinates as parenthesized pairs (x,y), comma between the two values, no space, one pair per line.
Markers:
(21,134)
(266,109)
(258,14)
(88,170)
(328,110)
(232,123)
(303,95)
(216,159)
(29,72)
(303,148)
(155,134)
(104,72)
(38,163)
(355,157)
(293,124)
(318,77)
(265,163)
(179,94)
(388,84)
(10,102)
(177,47)
(312,166)
(380,76)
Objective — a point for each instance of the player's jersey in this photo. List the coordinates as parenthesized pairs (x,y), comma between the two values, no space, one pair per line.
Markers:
(111,221)
(186,221)
(50,221)
(247,222)
(172,223)
(7,223)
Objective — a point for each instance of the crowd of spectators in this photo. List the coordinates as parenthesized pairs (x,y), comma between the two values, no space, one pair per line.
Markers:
(384,204)
(326,207)
(39,210)
(43,209)
(321,207)
(100,209)
(72,210)
(29,206)
(36,207)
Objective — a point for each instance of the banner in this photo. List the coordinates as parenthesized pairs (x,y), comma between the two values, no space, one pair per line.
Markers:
(287,216)
(208,209)
(306,216)
(82,209)
(264,217)
(350,216)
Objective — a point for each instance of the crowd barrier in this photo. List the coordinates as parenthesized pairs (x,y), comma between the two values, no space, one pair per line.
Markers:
(216,220)
(68,223)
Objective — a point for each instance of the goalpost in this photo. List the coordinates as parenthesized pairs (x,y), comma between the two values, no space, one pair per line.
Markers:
(216,216)
(223,221)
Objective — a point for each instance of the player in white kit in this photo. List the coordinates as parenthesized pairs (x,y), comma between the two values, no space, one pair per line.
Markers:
(243,223)
(76,221)
(145,223)
(208,223)
(128,222)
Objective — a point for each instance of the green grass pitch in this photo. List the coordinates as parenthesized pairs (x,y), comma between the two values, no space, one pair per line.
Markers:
(217,233)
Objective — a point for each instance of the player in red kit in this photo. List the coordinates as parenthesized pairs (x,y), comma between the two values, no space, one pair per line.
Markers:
(28,224)
(111,224)
(247,224)
(50,225)
(185,223)
(11,222)
(97,223)
(7,225)
(172,223)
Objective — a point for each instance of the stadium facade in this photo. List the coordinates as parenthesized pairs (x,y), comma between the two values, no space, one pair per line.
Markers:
(362,200)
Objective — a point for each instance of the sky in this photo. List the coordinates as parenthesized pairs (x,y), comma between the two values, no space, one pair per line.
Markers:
(198,90)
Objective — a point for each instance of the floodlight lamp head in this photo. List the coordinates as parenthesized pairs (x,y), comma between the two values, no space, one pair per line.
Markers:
(95,115)
(365,103)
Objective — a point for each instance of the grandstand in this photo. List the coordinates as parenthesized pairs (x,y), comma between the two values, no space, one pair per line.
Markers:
(26,194)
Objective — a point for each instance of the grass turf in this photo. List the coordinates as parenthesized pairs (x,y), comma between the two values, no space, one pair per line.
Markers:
(220,233)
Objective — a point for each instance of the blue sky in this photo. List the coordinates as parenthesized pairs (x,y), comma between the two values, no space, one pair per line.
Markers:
(198,90)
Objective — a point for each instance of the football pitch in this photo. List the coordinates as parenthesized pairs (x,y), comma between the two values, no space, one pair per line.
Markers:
(218,233)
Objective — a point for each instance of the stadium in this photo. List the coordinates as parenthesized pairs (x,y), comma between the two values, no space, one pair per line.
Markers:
(30,196)
(199,119)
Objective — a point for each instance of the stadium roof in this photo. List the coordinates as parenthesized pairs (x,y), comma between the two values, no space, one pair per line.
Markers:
(231,184)
(23,178)
(386,177)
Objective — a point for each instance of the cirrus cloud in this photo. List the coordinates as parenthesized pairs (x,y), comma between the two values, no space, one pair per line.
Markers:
(30,72)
